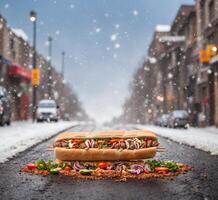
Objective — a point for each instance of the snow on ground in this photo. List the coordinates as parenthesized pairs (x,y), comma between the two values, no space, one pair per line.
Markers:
(22,135)
(205,139)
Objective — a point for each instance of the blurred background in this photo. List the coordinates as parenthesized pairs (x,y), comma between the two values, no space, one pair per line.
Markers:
(112,62)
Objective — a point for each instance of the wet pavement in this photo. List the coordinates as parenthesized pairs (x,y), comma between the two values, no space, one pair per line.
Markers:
(200,183)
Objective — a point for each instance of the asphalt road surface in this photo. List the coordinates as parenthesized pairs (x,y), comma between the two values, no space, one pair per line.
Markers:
(200,183)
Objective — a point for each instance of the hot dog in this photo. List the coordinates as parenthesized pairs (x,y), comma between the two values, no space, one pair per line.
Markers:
(105,145)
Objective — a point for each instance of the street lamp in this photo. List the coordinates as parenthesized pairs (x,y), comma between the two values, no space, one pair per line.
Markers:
(214,49)
(63,59)
(63,82)
(49,67)
(33,18)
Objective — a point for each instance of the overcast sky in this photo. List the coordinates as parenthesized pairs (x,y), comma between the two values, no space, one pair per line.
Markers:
(104,41)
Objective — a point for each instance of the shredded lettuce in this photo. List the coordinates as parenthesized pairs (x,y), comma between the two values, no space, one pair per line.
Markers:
(173,167)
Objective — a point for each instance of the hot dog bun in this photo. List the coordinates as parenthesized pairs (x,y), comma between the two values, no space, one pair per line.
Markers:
(103,154)
(96,154)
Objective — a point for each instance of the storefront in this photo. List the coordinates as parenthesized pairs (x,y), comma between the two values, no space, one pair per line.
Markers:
(18,86)
(214,88)
(3,70)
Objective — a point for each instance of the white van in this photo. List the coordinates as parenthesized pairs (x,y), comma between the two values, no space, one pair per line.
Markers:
(47,110)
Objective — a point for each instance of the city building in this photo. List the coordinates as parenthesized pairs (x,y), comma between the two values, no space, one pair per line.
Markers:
(16,73)
(181,70)
(207,27)
(156,51)
(16,57)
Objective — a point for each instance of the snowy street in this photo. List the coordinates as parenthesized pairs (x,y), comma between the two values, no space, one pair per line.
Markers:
(199,183)
(205,139)
(109,100)
(22,135)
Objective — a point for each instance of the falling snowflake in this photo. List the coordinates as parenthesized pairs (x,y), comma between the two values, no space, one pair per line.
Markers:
(108,48)
(72,6)
(113,37)
(6,6)
(117,26)
(170,75)
(117,46)
(135,12)
(46,43)
(97,30)
(146,68)
(115,56)
(57,32)
(106,15)
(209,71)
(48,58)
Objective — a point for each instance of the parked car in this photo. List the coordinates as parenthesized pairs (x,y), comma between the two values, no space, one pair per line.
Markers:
(157,121)
(178,118)
(5,107)
(164,120)
(47,110)
(66,117)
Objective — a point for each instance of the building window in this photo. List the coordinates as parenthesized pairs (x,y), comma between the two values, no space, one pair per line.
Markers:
(13,55)
(202,13)
(211,10)
(211,38)
(11,43)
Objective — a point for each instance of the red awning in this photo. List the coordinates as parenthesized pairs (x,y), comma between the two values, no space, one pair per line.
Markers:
(20,72)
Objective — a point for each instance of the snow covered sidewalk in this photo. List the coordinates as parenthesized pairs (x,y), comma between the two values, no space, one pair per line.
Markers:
(22,135)
(205,139)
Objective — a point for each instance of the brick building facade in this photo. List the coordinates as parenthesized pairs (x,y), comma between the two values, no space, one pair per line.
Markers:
(178,80)
(207,33)
(15,76)
(187,83)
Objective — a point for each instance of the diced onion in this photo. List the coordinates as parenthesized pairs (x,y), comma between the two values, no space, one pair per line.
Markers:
(127,144)
(87,143)
(77,166)
(136,169)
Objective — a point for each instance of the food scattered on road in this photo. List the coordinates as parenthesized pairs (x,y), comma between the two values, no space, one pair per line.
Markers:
(108,170)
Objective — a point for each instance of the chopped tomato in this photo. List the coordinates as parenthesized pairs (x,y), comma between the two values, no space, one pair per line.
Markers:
(115,141)
(102,165)
(77,141)
(67,168)
(31,166)
(161,170)
(146,172)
